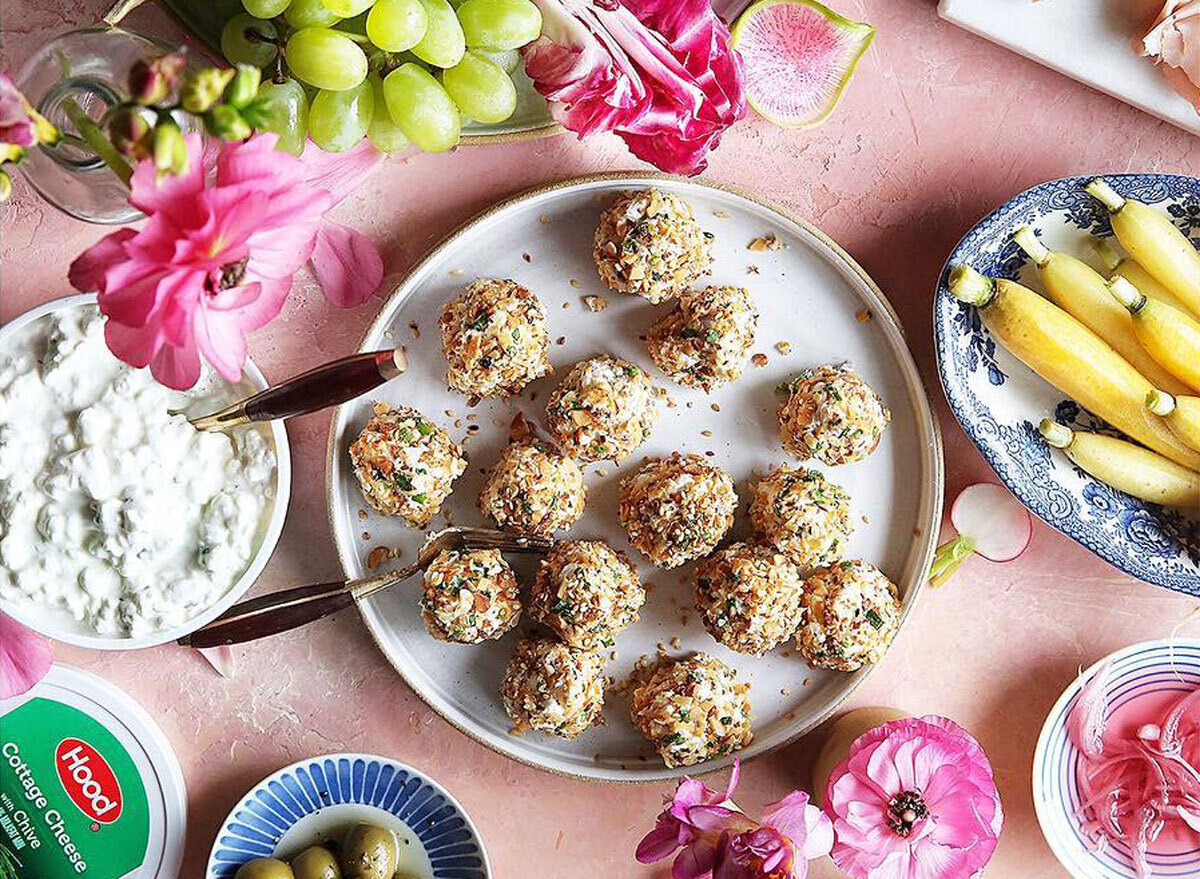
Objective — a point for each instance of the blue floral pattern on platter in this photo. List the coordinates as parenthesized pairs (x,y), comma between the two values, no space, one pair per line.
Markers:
(998,400)
(257,824)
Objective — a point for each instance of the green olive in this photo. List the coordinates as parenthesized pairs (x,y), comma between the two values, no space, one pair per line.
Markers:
(369,852)
(264,868)
(316,862)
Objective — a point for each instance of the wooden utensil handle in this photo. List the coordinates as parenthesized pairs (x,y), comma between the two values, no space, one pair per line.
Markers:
(325,386)
(272,614)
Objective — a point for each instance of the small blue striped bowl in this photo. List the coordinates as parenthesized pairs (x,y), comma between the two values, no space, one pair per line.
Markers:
(319,799)
(1169,666)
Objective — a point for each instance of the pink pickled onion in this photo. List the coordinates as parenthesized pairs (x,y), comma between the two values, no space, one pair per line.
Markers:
(1089,718)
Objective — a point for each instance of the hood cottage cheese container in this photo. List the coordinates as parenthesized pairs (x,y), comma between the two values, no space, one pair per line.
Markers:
(89,785)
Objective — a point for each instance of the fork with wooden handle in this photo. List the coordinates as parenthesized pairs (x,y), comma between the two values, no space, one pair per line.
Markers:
(291,608)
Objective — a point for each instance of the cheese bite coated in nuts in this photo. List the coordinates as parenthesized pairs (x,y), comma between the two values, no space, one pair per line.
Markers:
(705,340)
(586,592)
(533,490)
(692,710)
(852,612)
(677,509)
(470,597)
(495,338)
(832,415)
(649,244)
(749,597)
(553,688)
(405,464)
(802,514)
(602,410)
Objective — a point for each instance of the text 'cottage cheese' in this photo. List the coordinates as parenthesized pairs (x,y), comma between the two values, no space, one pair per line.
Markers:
(110,507)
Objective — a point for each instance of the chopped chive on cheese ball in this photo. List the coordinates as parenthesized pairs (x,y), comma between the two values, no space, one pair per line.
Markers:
(832,415)
(749,597)
(649,244)
(852,612)
(676,509)
(470,597)
(602,410)
(553,688)
(495,338)
(692,710)
(533,490)
(705,340)
(802,514)
(405,464)
(586,592)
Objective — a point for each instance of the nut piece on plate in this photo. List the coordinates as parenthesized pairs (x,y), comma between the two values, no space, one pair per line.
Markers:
(705,340)
(586,592)
(495,339)
(603,409)
(677,509)
(692,710)
(405,464)
(802,514)
(533,490)
(832,415)
(649,244)
(852,612)
(748,596)
(470,597)
(553,688)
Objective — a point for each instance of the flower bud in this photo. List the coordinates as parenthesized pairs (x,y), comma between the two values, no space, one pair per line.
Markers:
(227,123)
(130,133)
(170,149)
(151,82)
(203,89)
(245,85)
(5,186)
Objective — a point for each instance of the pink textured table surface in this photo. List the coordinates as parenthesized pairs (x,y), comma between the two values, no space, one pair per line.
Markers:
(937,129)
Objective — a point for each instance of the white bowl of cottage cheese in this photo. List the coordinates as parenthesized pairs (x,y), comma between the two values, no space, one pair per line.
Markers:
(122,526)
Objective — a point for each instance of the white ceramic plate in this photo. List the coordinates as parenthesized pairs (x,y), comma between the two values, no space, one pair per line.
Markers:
(60,624)
(808,294)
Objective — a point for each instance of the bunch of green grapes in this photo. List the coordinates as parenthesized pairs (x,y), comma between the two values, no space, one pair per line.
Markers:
(394,71)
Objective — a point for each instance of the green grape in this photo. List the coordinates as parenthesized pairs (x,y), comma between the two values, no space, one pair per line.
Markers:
(384,133)
(443,44)
(309,13)
(288,116)
(326,59)
(265,8)
(507,60)
(347,8)
(239,49)
(355,25)
(481,89)
(500,24)
(339,120)
(422,109)
(397,25)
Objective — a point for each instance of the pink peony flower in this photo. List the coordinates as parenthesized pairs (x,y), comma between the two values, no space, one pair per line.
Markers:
(915,799)
(24,658)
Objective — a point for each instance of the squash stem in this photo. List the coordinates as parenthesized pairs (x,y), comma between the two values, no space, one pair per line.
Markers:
(1029,243)
(969,286)
(1106,195)
(1058,435)
(1160,402)
(948,557)
(1125,293)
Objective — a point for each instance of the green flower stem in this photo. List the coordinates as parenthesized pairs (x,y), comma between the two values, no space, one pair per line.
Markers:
(948,557)
(98,142)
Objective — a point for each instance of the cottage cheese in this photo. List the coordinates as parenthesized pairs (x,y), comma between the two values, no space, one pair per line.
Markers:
(110,507)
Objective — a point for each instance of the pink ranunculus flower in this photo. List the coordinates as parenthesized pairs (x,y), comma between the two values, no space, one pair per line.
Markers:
(17,124)
(674,829)
(24,658)
(915,799)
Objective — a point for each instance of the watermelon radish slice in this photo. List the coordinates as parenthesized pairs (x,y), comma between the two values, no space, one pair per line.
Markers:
(799,57)
(990,522)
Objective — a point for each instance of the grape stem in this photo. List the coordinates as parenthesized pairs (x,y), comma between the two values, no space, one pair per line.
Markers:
(253,36)
(97,141)
(948,557)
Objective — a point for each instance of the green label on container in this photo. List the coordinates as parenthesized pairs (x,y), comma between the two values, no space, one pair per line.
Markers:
(72,802)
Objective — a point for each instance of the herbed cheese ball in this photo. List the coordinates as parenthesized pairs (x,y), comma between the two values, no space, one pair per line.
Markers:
(749,597)
(533,490)
(602,410)
(705,340)
(495,339)
(586,592)
(677,509)
(802,514)
(470,597)
(405,464)
(832,415)
(852,612)
(692,710)
(553,688)
(649,244)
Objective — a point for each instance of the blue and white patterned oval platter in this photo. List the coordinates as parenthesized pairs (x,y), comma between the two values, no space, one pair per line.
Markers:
(318,800)
(999,401)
